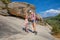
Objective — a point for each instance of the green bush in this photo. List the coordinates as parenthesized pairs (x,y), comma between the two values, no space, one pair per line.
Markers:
(55,23)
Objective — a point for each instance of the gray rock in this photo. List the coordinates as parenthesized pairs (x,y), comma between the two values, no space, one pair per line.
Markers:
(4,12)
(2,4)
(11,28)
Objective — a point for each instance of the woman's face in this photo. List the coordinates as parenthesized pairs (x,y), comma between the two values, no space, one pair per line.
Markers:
(32,13)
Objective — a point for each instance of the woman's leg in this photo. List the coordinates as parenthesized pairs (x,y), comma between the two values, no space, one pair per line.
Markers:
(34,26)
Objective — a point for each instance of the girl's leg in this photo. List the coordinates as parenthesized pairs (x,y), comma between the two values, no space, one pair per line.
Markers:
(26,25)
(26,29)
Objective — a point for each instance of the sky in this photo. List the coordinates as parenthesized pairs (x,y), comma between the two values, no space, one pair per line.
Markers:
(45,8)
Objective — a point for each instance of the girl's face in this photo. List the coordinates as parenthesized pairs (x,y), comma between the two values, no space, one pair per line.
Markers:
(32,13)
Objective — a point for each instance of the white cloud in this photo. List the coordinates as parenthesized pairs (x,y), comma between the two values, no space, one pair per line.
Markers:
(50,12)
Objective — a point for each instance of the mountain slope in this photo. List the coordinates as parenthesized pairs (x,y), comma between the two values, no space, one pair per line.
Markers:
(11,28)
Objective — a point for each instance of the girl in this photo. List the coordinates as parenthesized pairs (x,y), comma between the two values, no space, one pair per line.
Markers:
(26,22)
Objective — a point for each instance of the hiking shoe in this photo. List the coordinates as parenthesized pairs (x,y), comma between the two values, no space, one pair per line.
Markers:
(35,32)
(26,30)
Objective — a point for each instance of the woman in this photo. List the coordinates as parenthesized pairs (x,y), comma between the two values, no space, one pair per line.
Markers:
(33,20)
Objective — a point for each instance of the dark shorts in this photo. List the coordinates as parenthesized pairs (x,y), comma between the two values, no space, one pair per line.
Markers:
(33,21)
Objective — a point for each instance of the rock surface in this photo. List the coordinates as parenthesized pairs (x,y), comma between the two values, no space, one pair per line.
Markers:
(2,4)
(4,12)
(11,28)
(18,9)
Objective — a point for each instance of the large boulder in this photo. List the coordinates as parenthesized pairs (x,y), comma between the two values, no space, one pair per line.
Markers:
(20,8)
(11,28)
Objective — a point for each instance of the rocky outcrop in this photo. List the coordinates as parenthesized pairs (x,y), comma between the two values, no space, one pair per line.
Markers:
(19,9)
(11,28)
